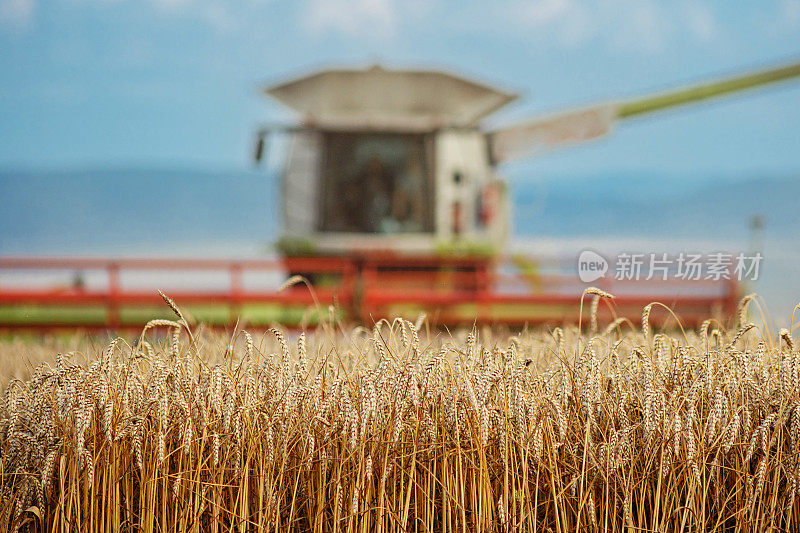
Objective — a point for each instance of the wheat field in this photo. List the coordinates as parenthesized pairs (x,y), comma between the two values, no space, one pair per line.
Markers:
(399,428)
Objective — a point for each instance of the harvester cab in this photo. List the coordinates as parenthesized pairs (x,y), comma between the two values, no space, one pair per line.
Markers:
(390,160)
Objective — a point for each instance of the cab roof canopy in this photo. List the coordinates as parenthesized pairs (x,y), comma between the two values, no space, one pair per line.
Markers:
(388,99)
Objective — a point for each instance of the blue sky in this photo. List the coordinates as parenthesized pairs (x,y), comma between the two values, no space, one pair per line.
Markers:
(105,83)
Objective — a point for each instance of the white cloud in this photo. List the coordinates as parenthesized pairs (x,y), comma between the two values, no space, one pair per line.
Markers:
(220,17)
(790,13)
(16,13)
(646,25)
(622,23)
(548,11)
(566,19)
(642,25)
(700,21)
(171,4)
(219,14)
(353,18)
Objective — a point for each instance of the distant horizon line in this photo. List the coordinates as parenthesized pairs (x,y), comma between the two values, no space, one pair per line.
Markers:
(194,167)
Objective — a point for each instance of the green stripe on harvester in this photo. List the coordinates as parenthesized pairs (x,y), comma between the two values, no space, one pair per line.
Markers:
(705,91)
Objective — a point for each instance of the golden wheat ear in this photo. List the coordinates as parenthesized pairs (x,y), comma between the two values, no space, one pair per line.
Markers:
(171,304)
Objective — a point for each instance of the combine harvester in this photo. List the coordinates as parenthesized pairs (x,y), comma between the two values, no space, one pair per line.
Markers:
(391,205)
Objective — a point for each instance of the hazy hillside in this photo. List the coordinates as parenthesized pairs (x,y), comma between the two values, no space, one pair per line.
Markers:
(96,210)
(108,209)
(649,205)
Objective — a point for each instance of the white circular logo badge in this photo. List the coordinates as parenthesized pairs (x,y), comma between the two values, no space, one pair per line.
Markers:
(591,266)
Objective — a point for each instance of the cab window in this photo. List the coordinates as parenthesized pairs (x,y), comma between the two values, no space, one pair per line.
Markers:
(375,183)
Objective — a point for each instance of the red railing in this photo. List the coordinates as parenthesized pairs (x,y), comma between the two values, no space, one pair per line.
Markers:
(487,294)
(50,292)
(101,282)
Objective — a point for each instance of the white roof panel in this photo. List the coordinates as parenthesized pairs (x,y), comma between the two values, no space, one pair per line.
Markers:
(379,97)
